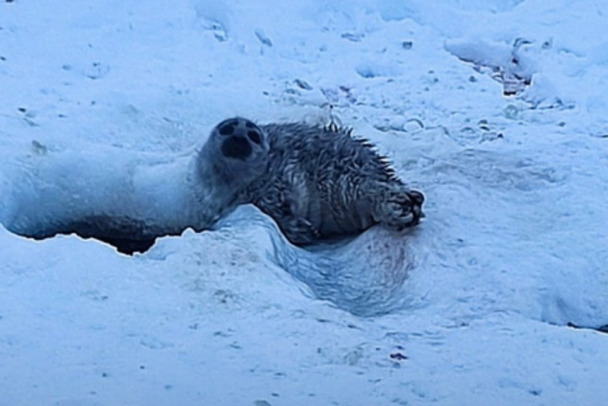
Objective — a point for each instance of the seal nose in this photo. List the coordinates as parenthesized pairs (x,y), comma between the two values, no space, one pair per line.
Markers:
(417,197)
(236,147)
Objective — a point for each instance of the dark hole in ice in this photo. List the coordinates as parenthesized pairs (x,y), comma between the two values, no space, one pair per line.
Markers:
(126,235)
(601,329)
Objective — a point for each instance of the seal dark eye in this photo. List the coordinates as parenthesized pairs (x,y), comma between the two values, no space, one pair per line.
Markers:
(226,129)
(254,136)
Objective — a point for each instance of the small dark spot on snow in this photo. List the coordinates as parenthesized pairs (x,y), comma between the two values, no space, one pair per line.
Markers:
(168,387)
(259,33)
(96,296)
(1,57)
(22,109)
(104,374)
(366,72)
(142,367)
(352,37)
(397,356)
(535,392)
(407,44)
(9,1)
(302,84)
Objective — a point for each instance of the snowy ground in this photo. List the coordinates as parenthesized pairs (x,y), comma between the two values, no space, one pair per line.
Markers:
(470,308)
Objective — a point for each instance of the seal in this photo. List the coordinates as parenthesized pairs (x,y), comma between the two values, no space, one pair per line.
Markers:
(322,182)
(318,182)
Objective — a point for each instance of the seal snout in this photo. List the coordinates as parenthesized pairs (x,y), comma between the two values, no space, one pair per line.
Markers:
(237,147)
(239,138)
(417,197)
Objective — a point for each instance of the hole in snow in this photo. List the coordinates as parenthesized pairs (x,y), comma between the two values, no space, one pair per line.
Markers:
(125,237)
(601,329)
(104,193)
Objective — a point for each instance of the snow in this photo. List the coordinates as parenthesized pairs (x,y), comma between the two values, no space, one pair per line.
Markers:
(471,307)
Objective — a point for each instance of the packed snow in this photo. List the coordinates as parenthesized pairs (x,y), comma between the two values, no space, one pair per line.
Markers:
(495,109)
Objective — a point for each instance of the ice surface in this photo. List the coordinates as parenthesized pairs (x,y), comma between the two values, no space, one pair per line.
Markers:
(472,307)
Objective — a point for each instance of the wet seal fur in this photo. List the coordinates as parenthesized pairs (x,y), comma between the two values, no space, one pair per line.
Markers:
(318,182)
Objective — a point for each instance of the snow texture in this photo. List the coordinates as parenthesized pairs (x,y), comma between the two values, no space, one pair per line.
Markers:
(495,109)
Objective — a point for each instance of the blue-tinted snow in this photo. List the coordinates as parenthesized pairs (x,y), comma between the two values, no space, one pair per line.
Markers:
(471,307)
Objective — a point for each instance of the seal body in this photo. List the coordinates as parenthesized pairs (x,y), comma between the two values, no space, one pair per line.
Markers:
(321,182)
